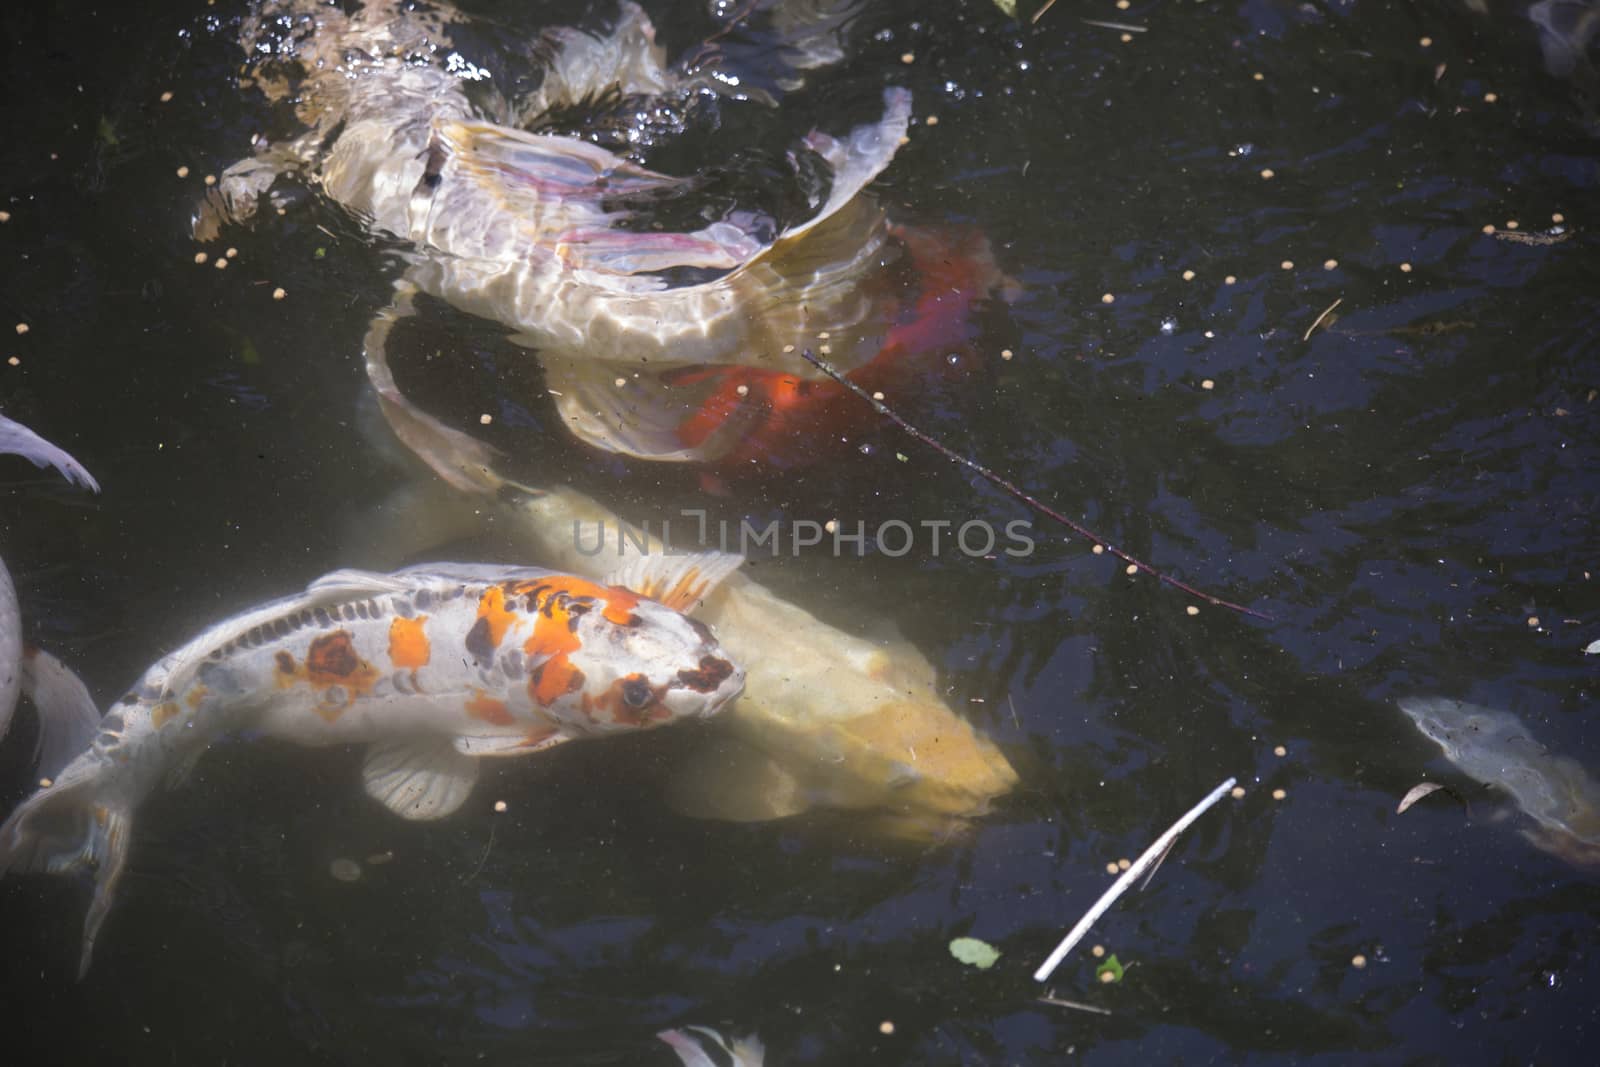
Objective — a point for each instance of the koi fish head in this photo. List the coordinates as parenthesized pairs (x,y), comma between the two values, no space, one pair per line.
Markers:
(604,658)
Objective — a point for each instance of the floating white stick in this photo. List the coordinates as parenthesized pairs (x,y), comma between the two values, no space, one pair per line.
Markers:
(1129,876)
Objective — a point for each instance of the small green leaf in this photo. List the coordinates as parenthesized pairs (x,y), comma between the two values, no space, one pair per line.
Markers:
(319,253)
(107,133)
(1110,971)
(979,954)
(1008,8)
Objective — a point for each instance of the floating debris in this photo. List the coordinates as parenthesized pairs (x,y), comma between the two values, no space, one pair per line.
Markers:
(345,870)
(1147,859)
(1111,970)
(378,859)
(970,950)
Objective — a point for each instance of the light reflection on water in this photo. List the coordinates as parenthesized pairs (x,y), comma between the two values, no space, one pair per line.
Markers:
(1398,490)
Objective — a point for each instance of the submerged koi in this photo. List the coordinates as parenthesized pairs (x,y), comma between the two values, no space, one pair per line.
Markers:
(67,715)
(435,666)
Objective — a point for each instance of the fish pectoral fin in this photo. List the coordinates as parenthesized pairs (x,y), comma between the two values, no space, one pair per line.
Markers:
(679,582)
(419,778)
(500,745)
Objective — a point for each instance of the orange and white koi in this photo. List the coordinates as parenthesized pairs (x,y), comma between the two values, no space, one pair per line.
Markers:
(433,666)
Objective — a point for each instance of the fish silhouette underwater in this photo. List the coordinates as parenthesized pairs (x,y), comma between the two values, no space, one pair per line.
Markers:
(658,341)
(434,667)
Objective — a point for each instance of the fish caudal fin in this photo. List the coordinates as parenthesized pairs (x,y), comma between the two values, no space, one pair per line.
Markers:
(68,717)
(66,828)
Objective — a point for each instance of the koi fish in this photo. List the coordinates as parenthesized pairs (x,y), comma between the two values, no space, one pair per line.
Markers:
(558,239)
(690,1043)
(828,718)
(66,713)
(434,667)
(1495,748)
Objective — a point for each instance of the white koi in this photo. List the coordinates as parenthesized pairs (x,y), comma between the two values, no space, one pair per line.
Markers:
(434,666)
(67,715)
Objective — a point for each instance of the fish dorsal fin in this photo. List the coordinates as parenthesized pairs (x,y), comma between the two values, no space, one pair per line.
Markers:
(351,584)
(679,582)
(501,745)
(419,778)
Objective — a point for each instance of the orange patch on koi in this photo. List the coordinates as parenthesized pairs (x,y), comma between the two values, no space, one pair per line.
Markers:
(408,643)
(162,714)
(493,621)
(487,708)
(332,661)
(196,695)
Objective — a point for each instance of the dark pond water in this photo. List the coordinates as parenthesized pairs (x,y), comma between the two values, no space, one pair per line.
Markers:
(1409,490)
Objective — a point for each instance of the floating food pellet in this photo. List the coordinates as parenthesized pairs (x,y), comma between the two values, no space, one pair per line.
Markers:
(45,783)
(1229,280)
(886,1027)
(1127,38)
(1280,751)
(823,335)
(1107,976)
(1107,298)
(1098,549)
(1124,864)
(1511,224)
(1111,868)
(621,382)
(832,525)
(166,97)
(200,257)
(1329,264)
(1533,620)
(1489,228)
(1097,951)
(908,58)
(1236,792)
(1358,961)
(211,179)
(345,870)
(1208,384)
(1405,268)
(22,328)
(788,348)
(931,120)
(1132,569)
(1278,794)
(1426,42)
(1287,264)
(279,294)
(222,263)
(1005,353)
(826,350)
(1489,98)
(1191,610)
(1266,173)
(1188,275)
(1258,76)
(14,361)
(743,390)
(5,216)
(1558,217)
(1123,5)
(875,396)
(183,172)
(485,419)
(231,253)
(499,805)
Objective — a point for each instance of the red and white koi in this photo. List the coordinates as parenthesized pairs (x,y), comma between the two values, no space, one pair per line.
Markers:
(434,666)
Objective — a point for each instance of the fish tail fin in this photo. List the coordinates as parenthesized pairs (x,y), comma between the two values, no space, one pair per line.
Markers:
(68,716)
(70,827)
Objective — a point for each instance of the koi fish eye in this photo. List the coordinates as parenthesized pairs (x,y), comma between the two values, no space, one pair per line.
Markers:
(636,693)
